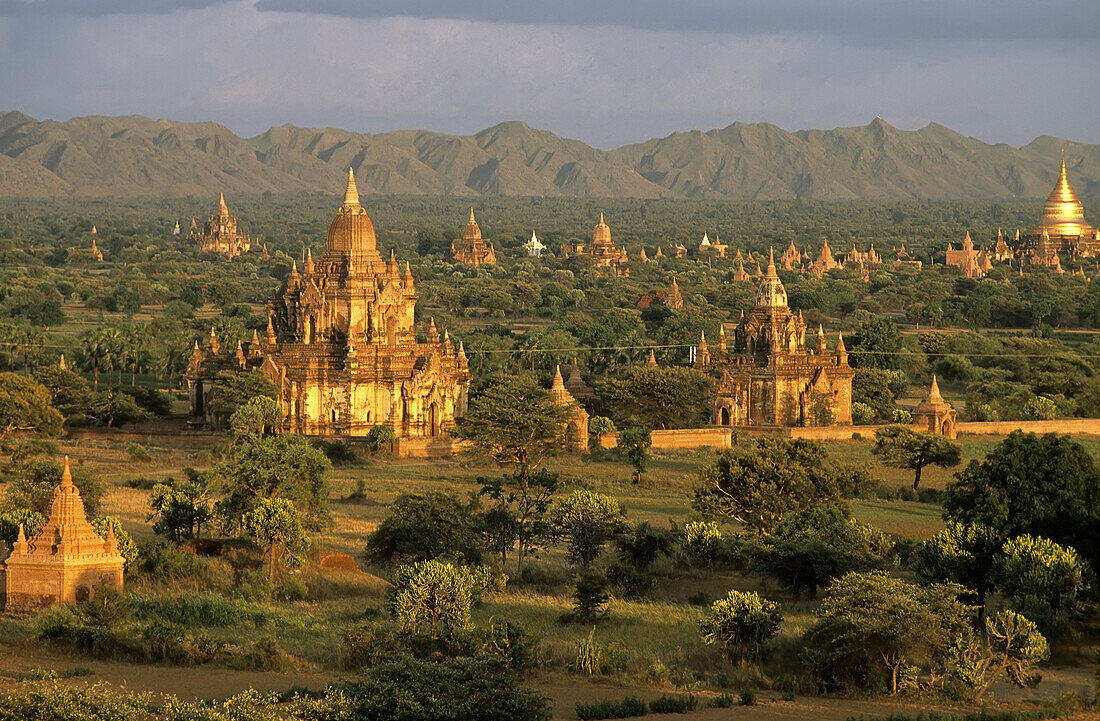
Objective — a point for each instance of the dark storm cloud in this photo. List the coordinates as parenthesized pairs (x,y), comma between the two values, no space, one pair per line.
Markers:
(871,21)
(96,8)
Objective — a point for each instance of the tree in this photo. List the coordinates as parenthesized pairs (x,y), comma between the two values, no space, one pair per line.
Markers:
(233,389)
(31,486)
(1012,647)
(815,545)
(902,447)
(870,622)
(519,516)
(638,549)
(115,407)
(69,392)
(741,624)
(515,421)
(126,546)
(26,405)
(635,443)
(878,344)
(259,416)
(179,509)
(421,527)
(11,520)
(878,389)
(585,522)
(1056,475)
(757,487)
(280,466)
(659,397)
(1042,580)
(965,554)
(432,595)
(276,527)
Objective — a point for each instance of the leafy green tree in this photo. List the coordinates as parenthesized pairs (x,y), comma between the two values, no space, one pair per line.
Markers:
(115,407)
(1011,648)
(519,513)
(634,443)
(179,509)
(279,466)
(965,554)
(878,344)
(872,623)
(586,522)
(757,487)
(259,416)
(69,392)
(590,598)
(650,397)
(741,624)
(1042,580)
(378,437)
(126,545)
(878,389)
(1056,475)
(432,596)
(276,527)
(638,549)
(514,421)
(815,545)
(234,389)
(11,520)
(31,485)
(26,405)
(421,527)
(902,447)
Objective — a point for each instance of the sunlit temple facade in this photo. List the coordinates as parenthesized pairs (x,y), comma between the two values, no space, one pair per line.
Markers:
(341,345)
(770,377)
(1061,229)
(602,250)
(471,249)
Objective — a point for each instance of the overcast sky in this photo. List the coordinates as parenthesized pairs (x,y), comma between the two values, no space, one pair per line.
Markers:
(608,72)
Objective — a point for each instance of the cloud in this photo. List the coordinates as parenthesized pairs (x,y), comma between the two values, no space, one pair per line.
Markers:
(870,21)
(95,8)
(606,85)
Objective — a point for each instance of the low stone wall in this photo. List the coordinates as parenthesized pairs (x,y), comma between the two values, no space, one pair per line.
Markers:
(690,438)
(426,447)
(1064,426)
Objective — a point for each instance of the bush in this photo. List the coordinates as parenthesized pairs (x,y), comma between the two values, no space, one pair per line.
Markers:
(379,437)
(507,640)
(721,701)
(862,414)
(164,640)
(106,608)
(627,708)
(267,655)
(126,545)
(1042,581)
(160,561)
(597,659)
(10,521)
(432,597)
(748,696)
(339,452)
(590,599)
(673,704)
(741,624)
(139,453)
(410,690)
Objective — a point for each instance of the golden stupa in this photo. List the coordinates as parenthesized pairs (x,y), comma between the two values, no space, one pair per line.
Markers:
(1063,213)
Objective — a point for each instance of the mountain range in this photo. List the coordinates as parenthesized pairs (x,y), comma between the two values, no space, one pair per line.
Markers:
(136,156)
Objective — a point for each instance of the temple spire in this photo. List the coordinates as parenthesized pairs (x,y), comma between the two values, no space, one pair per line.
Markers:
(559,384)
(652,362)
(222,207)
(934,394)
(351,193)
(66,476)
(62,365)
(771,264)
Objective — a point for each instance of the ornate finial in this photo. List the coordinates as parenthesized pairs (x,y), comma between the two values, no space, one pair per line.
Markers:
(652,362)
(702,340)
(601,218)
(559,384)
(222,207)
(66,475)
(820,331)
(351,194)
(20,545)
(462,360)
(840,343)
(293,269)
(62,365)
(472,214)
(771,264)
(408,271)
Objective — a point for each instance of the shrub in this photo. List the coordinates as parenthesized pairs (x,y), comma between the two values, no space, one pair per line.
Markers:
(741,624)
(126,545)
(702,542)
(158,560)
(10,520)
(164,640)
(410,690)
(106,608)
(748,696)
(508,640)
(360,644)
(139,453)
(267,655)
(432,596)
(862,414)
(673,704)
(1042,580)
(596,659)
(721,701)
(901,416)
(590,599)
(379,437)
(339,452)
(627,708)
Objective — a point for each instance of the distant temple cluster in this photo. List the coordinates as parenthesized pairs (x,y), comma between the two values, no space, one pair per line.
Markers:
(220,233)
(341,345)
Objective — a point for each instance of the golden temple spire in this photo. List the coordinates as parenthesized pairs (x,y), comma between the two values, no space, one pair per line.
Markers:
(66,476)
(1063,213)
(62,365)
(559,384)
(351,194)
(472,215)
(652,362)
(223,209)
(934,394)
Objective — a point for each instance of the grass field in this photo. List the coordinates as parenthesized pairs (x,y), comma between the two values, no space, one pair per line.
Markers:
(650,644)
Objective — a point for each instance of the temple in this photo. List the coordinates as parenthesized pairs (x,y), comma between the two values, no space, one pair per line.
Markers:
(341,346)
(972,262)
(602,250)
(770,377)
(65,561)
(1062,228)
(220,234)
(670,298)
(576,425)
(470,249)
(935,415)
